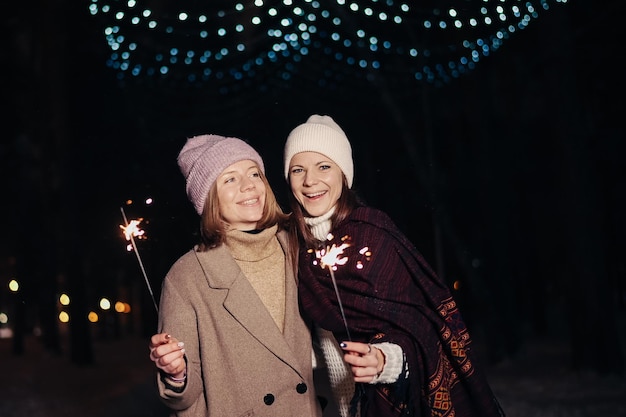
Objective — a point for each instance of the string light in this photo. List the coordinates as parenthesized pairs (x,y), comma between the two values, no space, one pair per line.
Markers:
(433,41)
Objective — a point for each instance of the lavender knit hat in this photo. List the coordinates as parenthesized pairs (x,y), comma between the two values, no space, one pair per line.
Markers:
(322,135)
(204,157)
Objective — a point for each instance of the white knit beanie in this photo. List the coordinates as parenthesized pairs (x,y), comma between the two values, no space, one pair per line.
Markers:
(322,135)
(204,157)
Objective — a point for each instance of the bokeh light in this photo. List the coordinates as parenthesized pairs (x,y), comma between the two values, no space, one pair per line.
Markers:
(64,299)
(105,304)
(92,317)
(64,317)
(200,42)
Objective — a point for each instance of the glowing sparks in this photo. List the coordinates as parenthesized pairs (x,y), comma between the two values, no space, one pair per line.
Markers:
(330,256)
(132,230)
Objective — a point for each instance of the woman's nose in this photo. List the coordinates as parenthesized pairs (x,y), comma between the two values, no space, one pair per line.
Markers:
(247,184)
(309,178)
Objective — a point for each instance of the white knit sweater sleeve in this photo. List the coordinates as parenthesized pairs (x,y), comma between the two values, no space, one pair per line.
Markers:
(394,360)
(339,372)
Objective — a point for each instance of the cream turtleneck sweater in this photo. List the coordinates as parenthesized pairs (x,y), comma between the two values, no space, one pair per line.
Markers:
(262,260)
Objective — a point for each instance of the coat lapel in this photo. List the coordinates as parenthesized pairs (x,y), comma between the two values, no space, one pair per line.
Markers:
(245,306)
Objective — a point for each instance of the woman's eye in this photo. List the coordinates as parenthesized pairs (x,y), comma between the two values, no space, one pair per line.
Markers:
(324,167)
(296,170)
(256,174)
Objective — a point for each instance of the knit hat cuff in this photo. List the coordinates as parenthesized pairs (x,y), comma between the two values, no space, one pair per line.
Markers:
(320,138)
(205,157)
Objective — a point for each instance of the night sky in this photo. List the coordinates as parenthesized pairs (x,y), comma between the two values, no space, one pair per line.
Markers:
(507,175)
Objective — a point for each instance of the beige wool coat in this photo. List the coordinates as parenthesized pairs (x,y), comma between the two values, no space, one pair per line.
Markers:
(239,362)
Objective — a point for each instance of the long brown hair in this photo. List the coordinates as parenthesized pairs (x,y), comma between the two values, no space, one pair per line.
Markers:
(212,226)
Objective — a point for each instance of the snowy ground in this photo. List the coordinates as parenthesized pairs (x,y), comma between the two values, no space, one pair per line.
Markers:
(120,384)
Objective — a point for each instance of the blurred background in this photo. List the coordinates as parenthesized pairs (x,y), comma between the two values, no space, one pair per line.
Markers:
(491,131)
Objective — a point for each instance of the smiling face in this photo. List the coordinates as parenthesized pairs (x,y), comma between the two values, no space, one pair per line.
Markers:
(315,181)
(241,195)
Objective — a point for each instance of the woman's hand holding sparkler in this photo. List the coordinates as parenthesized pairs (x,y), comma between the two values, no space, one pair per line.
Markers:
(168,354)
(366,361)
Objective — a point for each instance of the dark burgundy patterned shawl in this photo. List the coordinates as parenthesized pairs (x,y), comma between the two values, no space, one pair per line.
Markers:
(389,293)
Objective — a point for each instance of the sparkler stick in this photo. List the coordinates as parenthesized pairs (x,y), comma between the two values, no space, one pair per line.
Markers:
(329,257)
(130,231)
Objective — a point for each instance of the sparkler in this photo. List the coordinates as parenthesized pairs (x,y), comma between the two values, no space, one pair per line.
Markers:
(329,257)
(131,230)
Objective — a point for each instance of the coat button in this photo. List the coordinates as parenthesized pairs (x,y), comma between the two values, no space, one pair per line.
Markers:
(268,399)
(301,388)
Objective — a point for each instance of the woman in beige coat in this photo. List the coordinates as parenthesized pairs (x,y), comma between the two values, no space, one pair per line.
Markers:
(231,341)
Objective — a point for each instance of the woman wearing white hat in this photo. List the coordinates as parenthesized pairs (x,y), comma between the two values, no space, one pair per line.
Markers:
(381,292)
